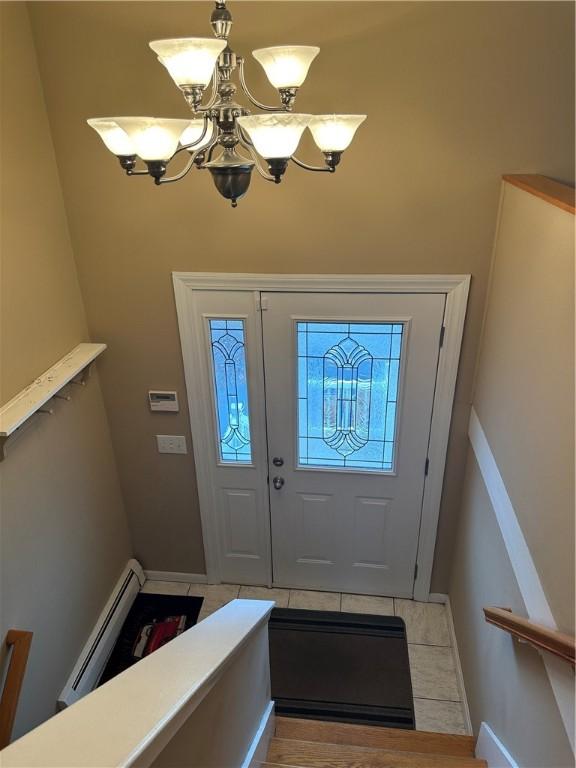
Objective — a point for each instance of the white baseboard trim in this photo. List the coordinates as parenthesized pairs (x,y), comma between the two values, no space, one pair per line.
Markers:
(438,597)
(459,674)
(524,568)
(259,747)
(490,748)
(190,578)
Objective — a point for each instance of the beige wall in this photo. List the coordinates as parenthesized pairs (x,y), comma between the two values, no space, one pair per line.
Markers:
(524,395)
(524,400)
(64,532)
(506,683)
(456,93)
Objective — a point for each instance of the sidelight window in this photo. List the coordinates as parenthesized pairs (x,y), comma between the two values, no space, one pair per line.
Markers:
(227,341)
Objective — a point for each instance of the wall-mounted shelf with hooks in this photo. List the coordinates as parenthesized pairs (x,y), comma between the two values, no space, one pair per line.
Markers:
(73,367)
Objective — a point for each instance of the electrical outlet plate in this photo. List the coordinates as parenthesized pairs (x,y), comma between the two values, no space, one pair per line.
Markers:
(171,443)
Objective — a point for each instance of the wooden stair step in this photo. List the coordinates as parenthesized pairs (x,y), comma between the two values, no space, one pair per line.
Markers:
(375,736)
(316,754)
(277,765)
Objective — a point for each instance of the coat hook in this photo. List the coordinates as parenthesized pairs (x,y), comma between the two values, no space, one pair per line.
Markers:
(84,374)
(62,397)
(45,410)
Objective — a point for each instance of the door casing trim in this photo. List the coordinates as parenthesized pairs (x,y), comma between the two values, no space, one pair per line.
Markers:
(455,287)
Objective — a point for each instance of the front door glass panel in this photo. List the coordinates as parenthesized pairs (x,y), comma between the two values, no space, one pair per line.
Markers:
(230,390)
(348,381)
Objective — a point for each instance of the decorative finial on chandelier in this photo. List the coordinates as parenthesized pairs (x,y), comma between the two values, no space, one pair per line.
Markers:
(221,20)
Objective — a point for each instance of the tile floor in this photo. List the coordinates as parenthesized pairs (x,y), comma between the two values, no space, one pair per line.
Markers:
(437,697)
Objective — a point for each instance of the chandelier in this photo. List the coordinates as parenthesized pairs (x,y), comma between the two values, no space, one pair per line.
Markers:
(222,135)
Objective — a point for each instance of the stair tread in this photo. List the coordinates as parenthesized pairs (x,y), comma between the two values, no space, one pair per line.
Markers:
(316,754)
(278,765)
(375,736)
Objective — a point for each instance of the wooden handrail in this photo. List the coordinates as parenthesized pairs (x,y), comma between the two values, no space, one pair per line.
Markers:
(20,642)
(554,192)
(540,637)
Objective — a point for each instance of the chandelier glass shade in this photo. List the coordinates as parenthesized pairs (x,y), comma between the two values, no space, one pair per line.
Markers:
(275,135)
(153,138)
(286,66)
(333,133)
(189,60)
(115,139)
(222,136)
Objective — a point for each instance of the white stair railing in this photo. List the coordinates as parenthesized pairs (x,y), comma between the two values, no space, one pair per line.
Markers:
(201,701)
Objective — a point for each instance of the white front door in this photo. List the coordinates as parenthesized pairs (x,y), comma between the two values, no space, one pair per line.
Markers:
(349,392)
(311,419)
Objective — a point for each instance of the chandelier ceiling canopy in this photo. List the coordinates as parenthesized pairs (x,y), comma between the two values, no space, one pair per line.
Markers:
(220,128)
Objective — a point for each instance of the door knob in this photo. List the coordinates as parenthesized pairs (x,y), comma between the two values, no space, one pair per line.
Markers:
(278,461)
(278,482)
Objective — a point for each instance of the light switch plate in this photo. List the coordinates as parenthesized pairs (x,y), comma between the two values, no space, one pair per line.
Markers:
(171,443)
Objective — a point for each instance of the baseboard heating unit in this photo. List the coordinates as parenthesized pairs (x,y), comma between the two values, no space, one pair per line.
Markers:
(94,655)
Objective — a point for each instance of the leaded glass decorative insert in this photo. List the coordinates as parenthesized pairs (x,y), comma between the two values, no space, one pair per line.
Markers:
(230,390)
(348,377)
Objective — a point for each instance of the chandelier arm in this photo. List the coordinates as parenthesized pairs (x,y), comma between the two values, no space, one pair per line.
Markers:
(182,173)
(137,172)
(198,140)
(255,157)
(244,138)
(209,150)
(254,101)
(315,168)
(214,94)
(190,163)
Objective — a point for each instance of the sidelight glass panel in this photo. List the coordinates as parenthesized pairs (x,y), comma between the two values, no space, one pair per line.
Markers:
(230,390)
(347,394)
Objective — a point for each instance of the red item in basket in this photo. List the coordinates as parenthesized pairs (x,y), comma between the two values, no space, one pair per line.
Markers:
(155,635)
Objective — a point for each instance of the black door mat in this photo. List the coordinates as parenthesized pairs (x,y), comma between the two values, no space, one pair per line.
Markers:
(153,621)
(342,667)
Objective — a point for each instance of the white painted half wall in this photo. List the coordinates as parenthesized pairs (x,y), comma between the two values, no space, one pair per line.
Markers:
(560,675)
(507,685)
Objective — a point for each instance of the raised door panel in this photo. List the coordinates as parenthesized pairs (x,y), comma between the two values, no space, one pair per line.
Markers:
(241,535)
(315,528)
(370,543)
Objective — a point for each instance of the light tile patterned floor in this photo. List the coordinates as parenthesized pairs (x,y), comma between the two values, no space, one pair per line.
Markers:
(437,696)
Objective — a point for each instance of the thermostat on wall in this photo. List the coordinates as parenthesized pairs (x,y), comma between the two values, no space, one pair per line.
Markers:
(163,401)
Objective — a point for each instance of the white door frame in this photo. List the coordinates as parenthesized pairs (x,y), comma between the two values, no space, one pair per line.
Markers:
(455,287)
